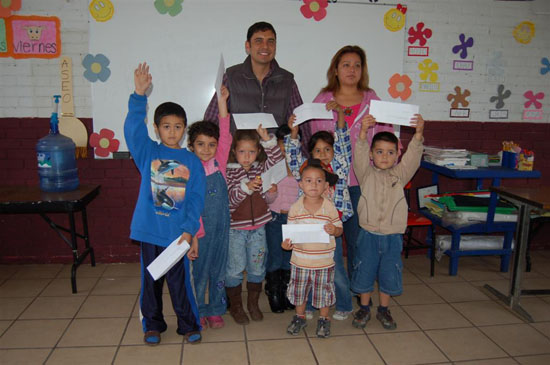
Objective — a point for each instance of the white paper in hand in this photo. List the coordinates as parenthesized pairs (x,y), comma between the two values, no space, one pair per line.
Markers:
(168,258)
(273,175)
(308,111)
(253,120)
(393,113)
(219,77)
(305,233)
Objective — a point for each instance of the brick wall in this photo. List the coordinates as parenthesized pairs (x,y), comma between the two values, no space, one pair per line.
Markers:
(27,238)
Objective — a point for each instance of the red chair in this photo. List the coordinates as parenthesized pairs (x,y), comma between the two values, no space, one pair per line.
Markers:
(415,220)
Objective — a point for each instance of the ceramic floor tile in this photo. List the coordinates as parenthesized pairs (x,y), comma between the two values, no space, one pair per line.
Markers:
(536,307)
(228,353)
(85,270)
(94,332)
(458,292)
(4,326)
(404,322)
(11,308)
(38,271)
(534,360)
(485,313)
(230,332)
(518,339)
(407,348)
(277,352)
(82,356)
(436,316)
(417,294)
(500,285)
(62,287)
(53,307)
(337,328)
(465,344)
(33,333)
(23,287)
(536,283)
(329,351)
(410,278)
(501,361)
(25,356)
(273,326)
(118,285)
(107,306)
(7,271)
(134,332)
(117,270)
(162,354)
(480,272)
(543,327)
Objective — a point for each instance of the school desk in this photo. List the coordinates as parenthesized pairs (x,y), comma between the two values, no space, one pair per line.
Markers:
(31,200)
(526,199)
(494,174)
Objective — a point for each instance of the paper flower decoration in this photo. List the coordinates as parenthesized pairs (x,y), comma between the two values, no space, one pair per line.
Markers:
(314,8)
(544,70)
(96,67)
(459,98)
(419,34)
(172,7)
(104,142)
(500,97)
(428,67)
(7,6)
(463,46)
(532,99)
(400,86)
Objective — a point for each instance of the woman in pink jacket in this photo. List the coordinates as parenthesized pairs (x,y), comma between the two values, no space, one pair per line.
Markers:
(348,85)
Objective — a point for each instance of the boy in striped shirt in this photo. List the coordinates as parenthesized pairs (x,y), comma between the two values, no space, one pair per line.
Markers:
(312,264)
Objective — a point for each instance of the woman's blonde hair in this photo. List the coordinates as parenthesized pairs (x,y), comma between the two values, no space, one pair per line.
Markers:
(333,83)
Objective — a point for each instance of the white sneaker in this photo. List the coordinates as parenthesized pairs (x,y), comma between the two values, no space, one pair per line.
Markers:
(309,315)
(341,315)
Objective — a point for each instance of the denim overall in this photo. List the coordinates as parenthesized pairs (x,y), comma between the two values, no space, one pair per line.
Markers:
(209,267)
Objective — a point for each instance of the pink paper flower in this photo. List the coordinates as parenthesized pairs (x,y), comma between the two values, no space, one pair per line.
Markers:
(400,86)
(104,142)
(532,99)
(314,8)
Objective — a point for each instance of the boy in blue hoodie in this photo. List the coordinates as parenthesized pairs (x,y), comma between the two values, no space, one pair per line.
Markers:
(171,199)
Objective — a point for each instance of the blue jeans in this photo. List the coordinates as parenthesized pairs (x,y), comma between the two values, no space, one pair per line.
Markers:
(277,258)
(351,226)
(247,251)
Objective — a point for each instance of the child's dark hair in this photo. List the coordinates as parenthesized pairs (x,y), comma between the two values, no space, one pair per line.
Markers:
(169,108)
(203,127)
(282,131)
(314,163)
(259,27)
(247,135)
(325,136)
(385,136)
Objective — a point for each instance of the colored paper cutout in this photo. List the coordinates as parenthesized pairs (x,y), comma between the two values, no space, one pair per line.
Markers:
(532,99)
(524,32)
(316,9)
(459,113)
(459,98)
(498,114)
(33,36)
(417,51)
(3,39)
(101,10)
(494,66)
(501,95)
(394,19)
(546,63)
(172,7)
(532,114)
(104,142)
(400,86)
(459,65)
(432,87)
(419,34)
(463,46)
(7,6)
(428,67)
(96,67)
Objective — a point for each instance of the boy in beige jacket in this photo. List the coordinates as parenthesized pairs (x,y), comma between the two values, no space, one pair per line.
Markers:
(382,216)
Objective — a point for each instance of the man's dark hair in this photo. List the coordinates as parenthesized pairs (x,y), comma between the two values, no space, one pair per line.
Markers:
(169,108)
(204,127)
(385,136)
(259,27)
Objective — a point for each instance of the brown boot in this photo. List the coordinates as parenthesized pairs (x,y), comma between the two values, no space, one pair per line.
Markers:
(254,290)
(236,304)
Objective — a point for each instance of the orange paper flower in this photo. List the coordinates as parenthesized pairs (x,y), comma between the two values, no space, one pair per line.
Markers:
(104,142)
(7,6)
(400,86)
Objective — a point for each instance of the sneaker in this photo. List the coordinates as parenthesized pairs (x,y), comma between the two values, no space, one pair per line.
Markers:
(215,321)
(386,319)
(309,315)
(341,315)
(296,325)
(323,327)
(360,318)
(151,338)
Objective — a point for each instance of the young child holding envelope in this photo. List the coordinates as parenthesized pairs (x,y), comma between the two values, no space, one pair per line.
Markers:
(312,264)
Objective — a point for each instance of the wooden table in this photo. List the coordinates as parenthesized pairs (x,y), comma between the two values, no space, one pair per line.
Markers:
(20,199)
(526,199)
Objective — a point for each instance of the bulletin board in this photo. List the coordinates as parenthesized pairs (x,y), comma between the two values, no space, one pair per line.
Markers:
(183,47)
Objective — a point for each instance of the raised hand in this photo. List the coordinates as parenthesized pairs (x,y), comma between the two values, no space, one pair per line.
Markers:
(367,122)
(293,129)
(263,133)
(222,101)
(142,78)
(418,122)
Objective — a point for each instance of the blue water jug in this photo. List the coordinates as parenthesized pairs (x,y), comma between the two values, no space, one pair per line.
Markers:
(56,159)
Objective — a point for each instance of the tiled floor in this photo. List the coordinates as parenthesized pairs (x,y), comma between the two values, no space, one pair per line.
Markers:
(441,320)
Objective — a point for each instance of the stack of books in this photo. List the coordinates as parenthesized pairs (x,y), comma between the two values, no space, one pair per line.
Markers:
(446,156)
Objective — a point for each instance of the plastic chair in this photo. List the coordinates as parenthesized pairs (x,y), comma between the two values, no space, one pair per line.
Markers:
(415,220)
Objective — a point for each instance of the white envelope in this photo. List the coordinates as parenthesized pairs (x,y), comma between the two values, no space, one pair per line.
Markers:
(308,111)
(393,113)
(168,258)
(253,120)
(305,233)
(219,77)
(273,175)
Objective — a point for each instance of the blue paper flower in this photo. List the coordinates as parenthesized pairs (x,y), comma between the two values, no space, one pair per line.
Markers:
(544,70)
(96,67)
